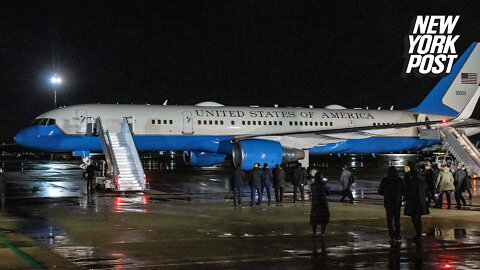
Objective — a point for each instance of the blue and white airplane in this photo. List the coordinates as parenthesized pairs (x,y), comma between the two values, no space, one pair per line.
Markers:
(208,131)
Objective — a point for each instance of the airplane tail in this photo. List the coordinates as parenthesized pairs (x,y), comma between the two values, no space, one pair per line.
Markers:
(456,94)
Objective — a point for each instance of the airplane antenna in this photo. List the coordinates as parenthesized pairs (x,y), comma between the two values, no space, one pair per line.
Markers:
(275,105)
(165,103)
(310,106)
(391,108)
(379,108)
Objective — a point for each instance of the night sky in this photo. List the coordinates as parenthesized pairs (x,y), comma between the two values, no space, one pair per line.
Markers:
(291,53)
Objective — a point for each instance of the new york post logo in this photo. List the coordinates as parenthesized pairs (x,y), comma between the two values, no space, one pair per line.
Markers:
(431,46)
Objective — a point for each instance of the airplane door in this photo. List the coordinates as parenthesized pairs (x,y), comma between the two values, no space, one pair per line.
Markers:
(187,123)
(82,121)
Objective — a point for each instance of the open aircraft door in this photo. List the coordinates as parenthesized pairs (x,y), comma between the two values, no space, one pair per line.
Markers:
(82,121)
(187,123)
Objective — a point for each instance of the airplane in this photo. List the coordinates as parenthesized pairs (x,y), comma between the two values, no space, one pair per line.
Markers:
(207,132)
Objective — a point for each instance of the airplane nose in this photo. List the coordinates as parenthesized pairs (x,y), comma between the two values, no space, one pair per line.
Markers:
(20,138)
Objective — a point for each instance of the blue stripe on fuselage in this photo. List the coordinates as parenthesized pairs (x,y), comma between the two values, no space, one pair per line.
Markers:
(51,138)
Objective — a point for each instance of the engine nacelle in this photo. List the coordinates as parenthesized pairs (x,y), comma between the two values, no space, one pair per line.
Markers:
(247,152)
(201,159)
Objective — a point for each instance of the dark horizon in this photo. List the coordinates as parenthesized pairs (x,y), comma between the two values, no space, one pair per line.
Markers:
(234,53)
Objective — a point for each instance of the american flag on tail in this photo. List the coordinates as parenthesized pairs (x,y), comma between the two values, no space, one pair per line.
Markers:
(469,78)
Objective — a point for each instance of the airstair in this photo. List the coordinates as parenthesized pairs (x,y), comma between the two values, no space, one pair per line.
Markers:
(461,148)
(124,166)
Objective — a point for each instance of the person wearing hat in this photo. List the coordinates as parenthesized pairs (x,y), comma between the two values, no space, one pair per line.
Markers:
(267,181)
(444,185)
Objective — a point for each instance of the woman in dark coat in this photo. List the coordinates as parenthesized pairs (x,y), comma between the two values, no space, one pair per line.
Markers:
(392,188)
(319,214)
(415,204)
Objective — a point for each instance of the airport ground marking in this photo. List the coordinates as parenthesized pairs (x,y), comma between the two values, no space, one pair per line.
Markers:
(22,255)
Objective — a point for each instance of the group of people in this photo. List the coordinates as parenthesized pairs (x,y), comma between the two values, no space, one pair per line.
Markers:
(418,188)
(266,179)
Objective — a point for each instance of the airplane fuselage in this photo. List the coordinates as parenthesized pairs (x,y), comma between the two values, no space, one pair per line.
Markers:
(206,128)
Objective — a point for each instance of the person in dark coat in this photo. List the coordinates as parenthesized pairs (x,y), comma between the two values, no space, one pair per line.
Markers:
(319,213)
(468,183)
(3,189)
(278,183)
(267,181)
(236,182)
(255,180)
(430,182)
(299,181)
(415,204)
(392,188)
(89,174)
(459,181)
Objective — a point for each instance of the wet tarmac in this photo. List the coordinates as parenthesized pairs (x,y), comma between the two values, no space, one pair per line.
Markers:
(186,222)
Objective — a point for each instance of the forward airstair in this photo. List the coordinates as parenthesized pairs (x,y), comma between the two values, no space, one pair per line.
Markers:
(461,148)
(124,166)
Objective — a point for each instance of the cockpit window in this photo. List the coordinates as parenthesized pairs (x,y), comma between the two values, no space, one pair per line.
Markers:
(43,122)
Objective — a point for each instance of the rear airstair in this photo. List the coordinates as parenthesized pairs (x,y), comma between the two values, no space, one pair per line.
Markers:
(124,165)
(461,148)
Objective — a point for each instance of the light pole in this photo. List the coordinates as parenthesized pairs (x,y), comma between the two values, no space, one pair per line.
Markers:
(56,81)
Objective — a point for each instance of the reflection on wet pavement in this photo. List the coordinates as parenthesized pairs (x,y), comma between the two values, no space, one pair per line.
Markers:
(186,222)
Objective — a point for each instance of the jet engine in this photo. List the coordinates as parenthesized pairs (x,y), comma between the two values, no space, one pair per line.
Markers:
(198,158)
(247,152)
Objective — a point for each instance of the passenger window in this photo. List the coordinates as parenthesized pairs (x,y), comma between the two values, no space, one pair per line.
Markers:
(331,124)
(199,122)
(171,122)
(243,122)
(296,123)
(254,123)
(210,122)
(265,123)
(221,122)
(164,122)
(159,121)
(306,123)
(249,123)
(311,123)
(153,122)
(321,124)
(326,123)
(280,123)
(274,123)
(233,122)
(216,122)
(291,123)
(204,122)
(301,123)
(316,123)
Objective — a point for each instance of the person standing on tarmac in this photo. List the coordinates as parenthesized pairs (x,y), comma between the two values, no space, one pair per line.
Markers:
(444,185)
(459,183)
(319,213)
(255,180)
(415,204)
(267,181)
(430,181)
(346,181)
(468,183)
(392,188)
(3,189)
(89,174)
(279,183)
(236,182)
(299,181)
